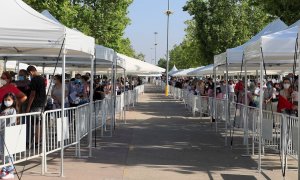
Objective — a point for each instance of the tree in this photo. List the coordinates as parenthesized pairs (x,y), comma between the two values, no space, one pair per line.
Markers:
(287,10)
(162,63)
(140,56)
(105,20)
(187,54)
(126,48)
(223,24)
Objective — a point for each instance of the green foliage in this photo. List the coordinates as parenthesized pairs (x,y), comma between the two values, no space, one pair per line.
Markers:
(187,54)
(140,56)
(286,10)
(162,63)
(219,25)
(105,20)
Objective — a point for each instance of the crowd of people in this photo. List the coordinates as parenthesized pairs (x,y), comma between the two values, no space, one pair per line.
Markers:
(30,91)
(279,95)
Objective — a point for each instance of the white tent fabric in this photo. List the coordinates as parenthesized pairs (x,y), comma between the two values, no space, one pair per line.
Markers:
(204,70)
(277,48)
(75,40)
(173,72)
(235,55)
(174,69)
(183,72)
(103,61)
(26,32)
(11,66)
(103,56)
(135,66)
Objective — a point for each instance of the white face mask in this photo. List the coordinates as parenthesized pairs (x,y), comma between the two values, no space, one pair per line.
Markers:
(8,103)
(286,86)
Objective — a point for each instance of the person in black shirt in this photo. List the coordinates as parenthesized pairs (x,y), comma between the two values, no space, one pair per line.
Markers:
(36,103)
(98,91)
(37,97)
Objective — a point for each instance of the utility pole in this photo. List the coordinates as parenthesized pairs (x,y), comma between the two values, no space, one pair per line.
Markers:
(168,13)
(155,44)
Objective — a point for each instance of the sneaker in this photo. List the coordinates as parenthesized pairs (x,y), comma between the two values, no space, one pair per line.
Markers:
(8,176)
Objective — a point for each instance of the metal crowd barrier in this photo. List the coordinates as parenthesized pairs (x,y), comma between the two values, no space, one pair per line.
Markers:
(32,135)
(278,132)
(20,137)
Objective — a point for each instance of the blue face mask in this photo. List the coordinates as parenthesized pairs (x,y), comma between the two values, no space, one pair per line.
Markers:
(77,81)
(21,78)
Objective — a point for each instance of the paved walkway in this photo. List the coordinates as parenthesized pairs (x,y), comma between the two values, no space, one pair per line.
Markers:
(161,140)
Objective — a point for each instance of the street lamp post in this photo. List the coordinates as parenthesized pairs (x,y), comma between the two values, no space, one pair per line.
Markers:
(168,13)
(155,44)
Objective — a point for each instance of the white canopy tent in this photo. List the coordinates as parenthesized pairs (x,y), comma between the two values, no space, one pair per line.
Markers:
(278,49)
(26,32)
(233,58)
(203,70)
(183,72)
(104,58)
(14,66)
(173,70)
(235,55)
(135,66)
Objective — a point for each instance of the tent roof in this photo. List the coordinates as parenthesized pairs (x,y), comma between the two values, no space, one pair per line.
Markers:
(235,55)
(183,72)
(174,69)
(277,48)
(202,70)
(135,66)
(75,39)
(26,32)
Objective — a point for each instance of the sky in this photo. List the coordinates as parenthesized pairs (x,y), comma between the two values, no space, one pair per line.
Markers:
(147,17)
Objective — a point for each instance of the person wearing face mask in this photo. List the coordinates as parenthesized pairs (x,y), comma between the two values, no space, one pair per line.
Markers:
(268,95)
(22,84)
(285,104)
(7,86)
(75,91)
(56,92)
(8,107)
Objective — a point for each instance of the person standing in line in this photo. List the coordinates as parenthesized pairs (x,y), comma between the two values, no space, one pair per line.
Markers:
(56,92)
(36,103)
(8,107)
(37,97)
(23,85)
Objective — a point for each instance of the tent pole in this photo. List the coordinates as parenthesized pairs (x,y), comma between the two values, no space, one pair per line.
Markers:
(227,103)
(95,113)
(91,105)
(260,116)
(63,110)
(298,116)
(124,97)
(214,99)
(111,100)
(246,105)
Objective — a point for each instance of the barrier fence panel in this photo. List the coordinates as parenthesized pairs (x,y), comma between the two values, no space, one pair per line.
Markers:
(279,132)
(292,136)
(20,137)
(27,136)
(97,114)
(185,96)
